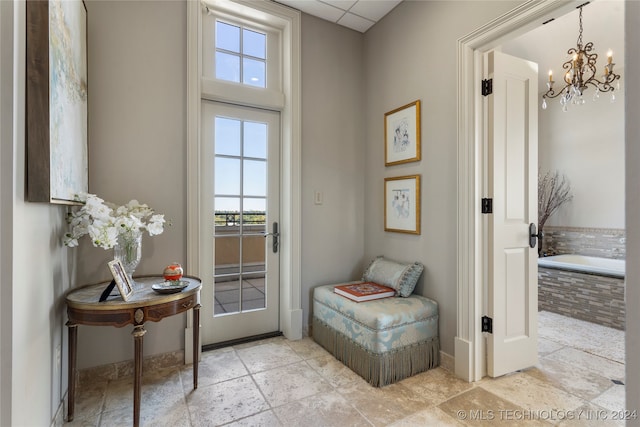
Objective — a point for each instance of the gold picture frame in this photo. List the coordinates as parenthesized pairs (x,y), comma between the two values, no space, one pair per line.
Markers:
(121,278)
(402,204)
(402,135)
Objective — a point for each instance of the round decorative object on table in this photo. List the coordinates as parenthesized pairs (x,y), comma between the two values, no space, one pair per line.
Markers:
(173,272)
(170,286)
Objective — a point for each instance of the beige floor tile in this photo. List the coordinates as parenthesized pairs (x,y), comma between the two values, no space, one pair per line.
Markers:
(590,337)
(591,415)
(277,382)
(574,379)
(89,421)
(612,399)
(437,385)
(119,395)
(214,367)
(428,417)
(119,417)
(335,372)
(384,405)
(324,409)
(90,400)
(290,383)
(546,347)
(263,419)
(267,356)
(479,407)
(598,365)
(531,393)
(307,348)
(225,402)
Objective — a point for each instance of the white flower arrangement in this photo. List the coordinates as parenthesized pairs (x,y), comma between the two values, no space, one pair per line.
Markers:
(104,222)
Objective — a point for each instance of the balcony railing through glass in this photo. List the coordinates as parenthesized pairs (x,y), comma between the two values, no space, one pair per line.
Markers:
(239,276)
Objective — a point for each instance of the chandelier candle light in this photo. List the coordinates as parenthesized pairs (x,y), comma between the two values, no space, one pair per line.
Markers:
(580,74)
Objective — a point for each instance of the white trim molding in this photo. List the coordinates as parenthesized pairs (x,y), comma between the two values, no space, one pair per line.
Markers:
(470,362)
(287,20)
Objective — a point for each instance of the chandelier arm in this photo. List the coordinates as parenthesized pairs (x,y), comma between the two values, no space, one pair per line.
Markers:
(580,72)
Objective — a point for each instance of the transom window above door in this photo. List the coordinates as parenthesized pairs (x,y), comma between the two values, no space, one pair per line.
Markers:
(241,54)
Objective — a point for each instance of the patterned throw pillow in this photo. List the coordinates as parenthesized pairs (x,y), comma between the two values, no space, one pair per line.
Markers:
(401,277)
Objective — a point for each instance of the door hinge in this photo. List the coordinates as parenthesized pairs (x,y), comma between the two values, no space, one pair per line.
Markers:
(487,206)
(487,87)
(487,324)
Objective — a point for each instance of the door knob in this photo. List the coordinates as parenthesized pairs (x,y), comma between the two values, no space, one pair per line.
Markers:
(533,236)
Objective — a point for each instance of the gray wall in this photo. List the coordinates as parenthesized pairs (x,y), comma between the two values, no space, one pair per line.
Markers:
(409,55)
(632,111)
(585,143)
(35,265)
(332,156)
(137,150)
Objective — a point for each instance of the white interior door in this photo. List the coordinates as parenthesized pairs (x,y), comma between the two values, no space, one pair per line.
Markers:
(239,255)
(512,184)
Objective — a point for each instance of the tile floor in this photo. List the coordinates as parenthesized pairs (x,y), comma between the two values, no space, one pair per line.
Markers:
(276,382)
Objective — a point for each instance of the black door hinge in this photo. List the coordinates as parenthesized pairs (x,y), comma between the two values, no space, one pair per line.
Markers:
(487,324)
(487,206)
(487,87)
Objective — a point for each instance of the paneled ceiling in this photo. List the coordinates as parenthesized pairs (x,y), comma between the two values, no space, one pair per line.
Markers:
(358,15)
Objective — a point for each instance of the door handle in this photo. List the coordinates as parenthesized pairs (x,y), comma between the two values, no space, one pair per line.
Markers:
(276,237)
(533,236)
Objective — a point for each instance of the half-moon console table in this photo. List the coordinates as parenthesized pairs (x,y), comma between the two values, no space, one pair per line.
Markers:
(83,308)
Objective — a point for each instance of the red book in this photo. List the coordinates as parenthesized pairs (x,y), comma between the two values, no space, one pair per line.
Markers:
(364,291)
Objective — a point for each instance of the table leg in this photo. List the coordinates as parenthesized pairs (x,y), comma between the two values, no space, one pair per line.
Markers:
(138,333)
(196,344)
(73,345)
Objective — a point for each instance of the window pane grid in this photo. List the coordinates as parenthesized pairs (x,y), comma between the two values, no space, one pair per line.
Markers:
(240,220)
(241,55)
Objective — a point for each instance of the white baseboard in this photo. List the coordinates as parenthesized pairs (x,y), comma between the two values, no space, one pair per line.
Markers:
(447,361)
(463,360)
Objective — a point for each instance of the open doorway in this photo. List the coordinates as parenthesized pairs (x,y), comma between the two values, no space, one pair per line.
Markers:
(581,269)
(470,342)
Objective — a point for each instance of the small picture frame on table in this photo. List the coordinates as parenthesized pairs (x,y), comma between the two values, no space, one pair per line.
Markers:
(120,277)
(402,204)
(402,135)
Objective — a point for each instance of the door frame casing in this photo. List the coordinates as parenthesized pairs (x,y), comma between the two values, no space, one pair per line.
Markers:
(469,343)
(288,21)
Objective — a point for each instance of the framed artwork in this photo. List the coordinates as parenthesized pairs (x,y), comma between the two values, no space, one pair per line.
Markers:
(56,101)
(402,204)
(121,278)
(402,135)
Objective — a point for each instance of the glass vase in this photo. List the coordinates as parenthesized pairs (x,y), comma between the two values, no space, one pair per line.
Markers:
(129,251)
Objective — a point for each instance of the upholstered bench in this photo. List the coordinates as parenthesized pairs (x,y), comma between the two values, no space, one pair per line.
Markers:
(383,340)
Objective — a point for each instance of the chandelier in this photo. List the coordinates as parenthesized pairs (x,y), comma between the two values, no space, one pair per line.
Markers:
(580,74)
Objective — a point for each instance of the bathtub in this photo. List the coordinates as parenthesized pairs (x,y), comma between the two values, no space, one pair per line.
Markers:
(585,264)
(583,287)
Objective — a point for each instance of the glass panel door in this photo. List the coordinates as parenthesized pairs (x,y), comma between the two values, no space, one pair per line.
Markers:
(240,148)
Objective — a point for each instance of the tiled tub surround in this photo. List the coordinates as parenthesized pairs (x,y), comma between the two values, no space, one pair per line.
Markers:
(594,298)
(598,242)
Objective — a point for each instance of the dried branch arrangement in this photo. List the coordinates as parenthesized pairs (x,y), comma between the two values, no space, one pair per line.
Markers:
(553,191)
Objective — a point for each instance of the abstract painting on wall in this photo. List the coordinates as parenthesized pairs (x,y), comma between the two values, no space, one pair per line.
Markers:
(57,156)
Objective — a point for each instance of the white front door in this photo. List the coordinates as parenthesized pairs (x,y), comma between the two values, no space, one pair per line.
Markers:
(513,185)
(240,166)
